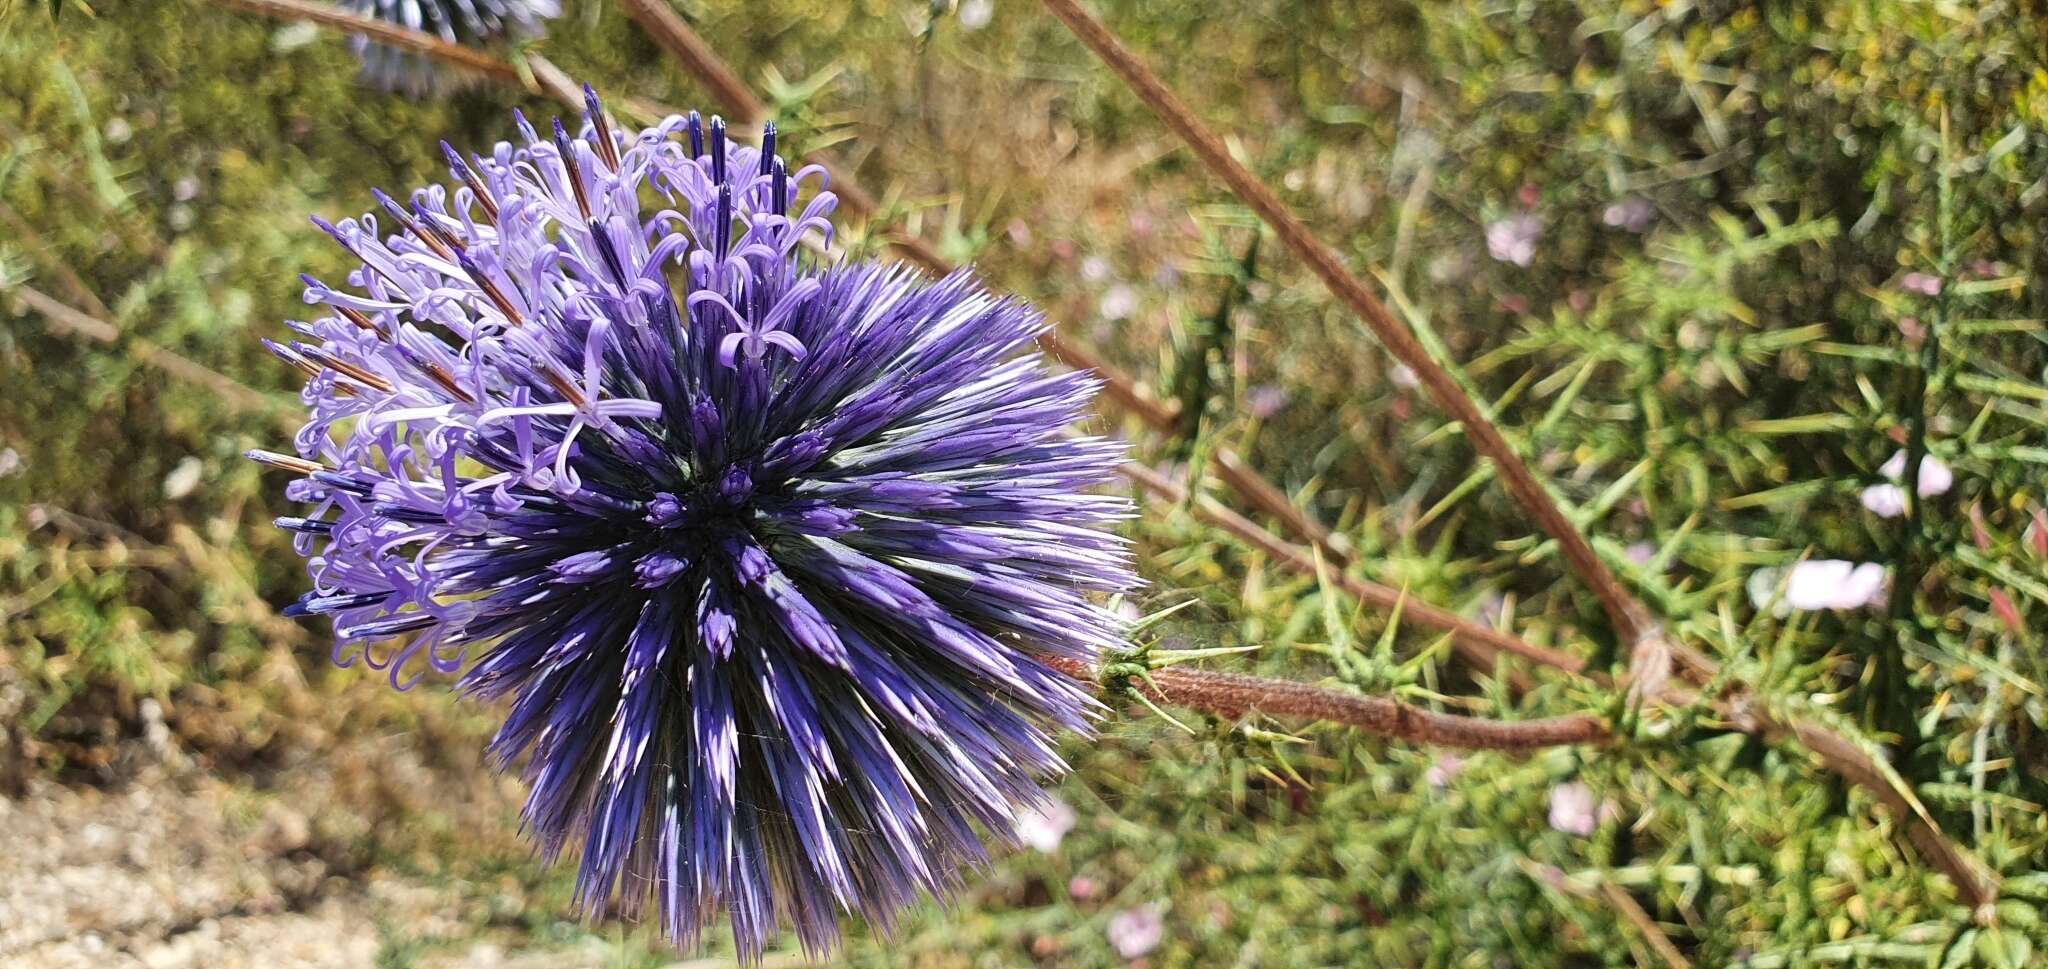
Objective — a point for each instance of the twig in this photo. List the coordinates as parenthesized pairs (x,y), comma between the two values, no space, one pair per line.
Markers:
(1645,926)
(43,253)
(237,395)
(1977,886)
(1479,644)
(1628,617)
(1234,695)
(668,30)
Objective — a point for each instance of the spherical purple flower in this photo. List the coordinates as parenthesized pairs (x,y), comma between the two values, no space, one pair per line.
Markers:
(455,21)
(768,555)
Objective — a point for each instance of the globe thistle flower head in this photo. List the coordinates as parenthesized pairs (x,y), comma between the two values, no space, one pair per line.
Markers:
(470,22)
(767,557)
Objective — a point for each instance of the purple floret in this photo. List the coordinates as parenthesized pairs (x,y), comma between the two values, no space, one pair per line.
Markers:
(765,556)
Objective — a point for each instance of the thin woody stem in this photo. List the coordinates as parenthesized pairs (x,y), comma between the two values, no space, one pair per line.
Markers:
(1661,944)
(1628,617)
(1478,644)
(238,396)
(1232,696)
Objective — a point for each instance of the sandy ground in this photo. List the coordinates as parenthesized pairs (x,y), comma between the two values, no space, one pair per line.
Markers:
(159,877)
(174,858)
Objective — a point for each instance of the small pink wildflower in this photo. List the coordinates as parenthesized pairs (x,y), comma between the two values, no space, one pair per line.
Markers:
(1513,239)
(1923,283)
(1572,810)
(1819,584)
(1135,932)
(1443,770)
(1043,829)
(1935,477)
(1632,214)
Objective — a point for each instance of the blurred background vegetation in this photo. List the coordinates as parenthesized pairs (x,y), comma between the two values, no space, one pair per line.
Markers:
(1670,241)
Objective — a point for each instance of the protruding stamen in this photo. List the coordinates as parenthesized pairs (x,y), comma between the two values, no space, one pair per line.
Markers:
(564,387)
(779,185)
(525,127)
(767,145)
(491,291)
(440,240)
(313,603)
(609,253)
(462,170)
(293,357)
(595,111)
(334,232)
(445,381)
(343,367)
(286,462)
(567,149)
(410,224)
(304,526)
(724,229)
(361,320)
(696,136)
(718,150)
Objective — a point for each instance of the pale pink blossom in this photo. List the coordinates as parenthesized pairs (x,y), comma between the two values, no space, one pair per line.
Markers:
(184,478)
(1819,584)
(1935,477)
(2001,606)
(975,14)
(1403,376)
(1632,214)
(1922,283)
(1444,770)
(1885,500)
(1135,932)
(1118,303)
(1265,400)
(1513,239)
(1042,829)
(1572,809)
(1082,888)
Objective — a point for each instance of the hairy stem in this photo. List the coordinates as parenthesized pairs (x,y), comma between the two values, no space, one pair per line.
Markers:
(1235,695)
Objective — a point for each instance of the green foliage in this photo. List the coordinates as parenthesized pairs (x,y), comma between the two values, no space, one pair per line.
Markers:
(1710,394)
